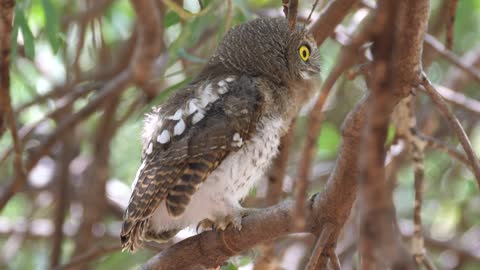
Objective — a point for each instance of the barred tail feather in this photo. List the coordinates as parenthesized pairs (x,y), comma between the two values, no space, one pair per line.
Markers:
(132,234)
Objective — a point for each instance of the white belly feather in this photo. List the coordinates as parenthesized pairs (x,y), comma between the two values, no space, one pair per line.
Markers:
(230,182)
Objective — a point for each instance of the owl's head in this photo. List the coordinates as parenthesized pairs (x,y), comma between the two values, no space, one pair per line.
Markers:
(266,47)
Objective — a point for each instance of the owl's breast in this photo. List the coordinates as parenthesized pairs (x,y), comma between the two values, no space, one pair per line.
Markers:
(239,172)
(231,180)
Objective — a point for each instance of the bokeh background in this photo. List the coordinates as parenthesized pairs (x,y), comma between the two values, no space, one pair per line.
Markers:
(68,213)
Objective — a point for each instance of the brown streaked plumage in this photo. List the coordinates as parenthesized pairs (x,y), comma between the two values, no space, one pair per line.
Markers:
(213,139)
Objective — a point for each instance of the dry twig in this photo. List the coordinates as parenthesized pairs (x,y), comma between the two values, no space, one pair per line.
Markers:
(314,6)
(6,112)
(321,244)
(331,15)
(459,99)
(452,8)
(436,45)
(453,123)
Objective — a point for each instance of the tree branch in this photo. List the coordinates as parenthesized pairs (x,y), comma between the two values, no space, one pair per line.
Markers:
(454,124)
(329,18)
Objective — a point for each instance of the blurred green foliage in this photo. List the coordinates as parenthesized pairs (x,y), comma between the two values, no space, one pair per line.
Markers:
(42,50)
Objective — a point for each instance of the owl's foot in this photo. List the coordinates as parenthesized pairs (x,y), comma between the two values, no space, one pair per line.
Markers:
(234,219)
(221,223)
(205,225)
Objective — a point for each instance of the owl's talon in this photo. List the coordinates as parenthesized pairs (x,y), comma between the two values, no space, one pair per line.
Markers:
(205,225)
(237,221)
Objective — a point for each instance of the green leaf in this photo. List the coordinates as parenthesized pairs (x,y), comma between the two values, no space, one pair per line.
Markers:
(14,39)
(229,266)
(390,134)
(28,39)
(171,18)
(51,24)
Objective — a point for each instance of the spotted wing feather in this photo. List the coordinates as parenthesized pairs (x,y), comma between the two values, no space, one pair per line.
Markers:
(173,172)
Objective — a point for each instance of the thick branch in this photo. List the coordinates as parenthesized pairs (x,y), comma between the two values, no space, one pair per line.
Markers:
(330,16)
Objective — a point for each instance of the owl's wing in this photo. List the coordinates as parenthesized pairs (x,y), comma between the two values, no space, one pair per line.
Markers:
(173,174)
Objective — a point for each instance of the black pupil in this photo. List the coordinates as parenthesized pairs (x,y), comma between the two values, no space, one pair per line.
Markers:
(304,53)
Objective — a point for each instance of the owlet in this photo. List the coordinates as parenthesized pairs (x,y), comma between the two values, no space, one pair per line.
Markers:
(206,147)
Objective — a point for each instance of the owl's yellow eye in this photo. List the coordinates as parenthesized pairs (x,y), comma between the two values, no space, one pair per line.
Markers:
(304,52)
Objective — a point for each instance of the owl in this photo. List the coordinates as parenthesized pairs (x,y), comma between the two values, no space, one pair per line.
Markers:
(212,140)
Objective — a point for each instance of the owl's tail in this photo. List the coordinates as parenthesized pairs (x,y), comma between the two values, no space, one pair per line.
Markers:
(132,234)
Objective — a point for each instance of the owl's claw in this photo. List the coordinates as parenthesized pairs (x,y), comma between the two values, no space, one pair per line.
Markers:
(235,220)
(205,225)
(222,223)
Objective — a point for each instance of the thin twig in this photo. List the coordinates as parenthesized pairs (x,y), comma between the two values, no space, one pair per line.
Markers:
(285,7)
(321,244)
(228,16)
(314,6)
(115,87)
(450,56)
(427,262)
(292,14)
(62,202)
(457,79)
(453,123)
(335,262)
(459,99)
(6,111)
(70,97)
(452,8)
(418,157)
(439,145)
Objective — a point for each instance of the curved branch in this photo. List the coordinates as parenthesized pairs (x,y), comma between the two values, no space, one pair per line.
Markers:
(454,124)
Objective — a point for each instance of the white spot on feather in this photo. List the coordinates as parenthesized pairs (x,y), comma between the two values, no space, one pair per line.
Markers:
(222,87)
(176,116)
(230,79)
(222,90)
(179,127)
(192,106)
(207,96)
(164,137)
(237,140)
(197,117)
(152,123)
(149,149)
